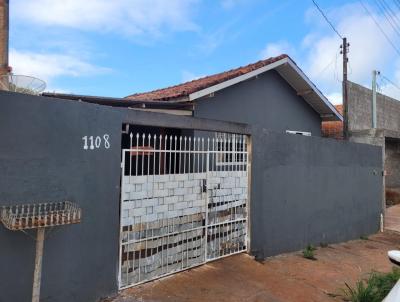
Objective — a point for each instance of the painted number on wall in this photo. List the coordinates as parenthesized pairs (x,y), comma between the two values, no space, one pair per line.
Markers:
(96,142)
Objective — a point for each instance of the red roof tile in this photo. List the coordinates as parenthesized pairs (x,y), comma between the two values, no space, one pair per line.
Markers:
(333,129)
(183,90)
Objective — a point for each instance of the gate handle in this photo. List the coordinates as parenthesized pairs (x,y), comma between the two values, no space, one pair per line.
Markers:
(204,186)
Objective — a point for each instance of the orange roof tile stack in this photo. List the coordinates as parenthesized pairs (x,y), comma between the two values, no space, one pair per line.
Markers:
(333,129)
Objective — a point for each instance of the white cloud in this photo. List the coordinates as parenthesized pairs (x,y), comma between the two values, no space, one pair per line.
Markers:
(224,33)
(319,51)
(368,47)
(392,87)
(276,49)
(132,17)
(391,90)
(48,66)
(335,98)
(51,55)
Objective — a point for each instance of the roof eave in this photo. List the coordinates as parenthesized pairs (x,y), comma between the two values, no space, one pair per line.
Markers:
(334,114)
(209,90)
(327,111)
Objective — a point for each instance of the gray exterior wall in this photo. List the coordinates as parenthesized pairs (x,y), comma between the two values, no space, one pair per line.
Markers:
(42,159)
(266,101)
(295,181)
(304,189)
(360,109)
(310,190)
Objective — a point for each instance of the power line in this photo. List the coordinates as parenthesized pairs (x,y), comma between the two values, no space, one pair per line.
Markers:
(326,19)
(388,13)
(334,59)
(380,28)
(393,12)
(336,74)
(351,69)
(388,16)
(390,81)
(397,2)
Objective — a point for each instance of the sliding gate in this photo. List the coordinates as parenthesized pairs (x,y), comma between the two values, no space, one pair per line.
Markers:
(183,203)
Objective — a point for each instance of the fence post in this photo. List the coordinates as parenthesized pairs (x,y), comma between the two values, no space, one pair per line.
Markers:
(38,265)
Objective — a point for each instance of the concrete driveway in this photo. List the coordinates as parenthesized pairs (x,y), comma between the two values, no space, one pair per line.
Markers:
(283,278)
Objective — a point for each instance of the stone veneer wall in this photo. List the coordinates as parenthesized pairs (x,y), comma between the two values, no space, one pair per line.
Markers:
(163,218)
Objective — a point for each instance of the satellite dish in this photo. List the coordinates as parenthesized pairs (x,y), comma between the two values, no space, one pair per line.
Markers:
(22,84)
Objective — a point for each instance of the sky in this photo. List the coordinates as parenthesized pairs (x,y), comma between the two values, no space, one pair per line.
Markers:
(120,47)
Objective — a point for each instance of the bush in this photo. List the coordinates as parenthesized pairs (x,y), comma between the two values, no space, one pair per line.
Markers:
(308,252)
(374,289)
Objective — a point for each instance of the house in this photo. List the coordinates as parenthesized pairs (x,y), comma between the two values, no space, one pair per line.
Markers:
(178,177)
(274,93)
(275,98)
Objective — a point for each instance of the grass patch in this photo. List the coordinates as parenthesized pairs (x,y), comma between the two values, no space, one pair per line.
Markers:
(364,237)
(362,292)
(374,289)
(308,252)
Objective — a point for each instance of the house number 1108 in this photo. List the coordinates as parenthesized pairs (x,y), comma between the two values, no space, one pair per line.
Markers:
(96,142)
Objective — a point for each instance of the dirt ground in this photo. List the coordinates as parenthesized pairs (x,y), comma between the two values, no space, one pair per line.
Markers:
(284,278)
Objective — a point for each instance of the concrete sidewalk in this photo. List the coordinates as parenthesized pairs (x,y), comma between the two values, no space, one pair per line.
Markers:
(284,278)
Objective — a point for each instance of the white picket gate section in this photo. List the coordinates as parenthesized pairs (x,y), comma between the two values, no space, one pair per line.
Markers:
(183,203)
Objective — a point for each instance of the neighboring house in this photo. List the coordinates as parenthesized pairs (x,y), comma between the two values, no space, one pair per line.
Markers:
(386,135)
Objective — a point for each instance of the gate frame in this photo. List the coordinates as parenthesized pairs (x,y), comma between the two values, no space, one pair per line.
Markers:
(208,152)
(167,120)
(249,177)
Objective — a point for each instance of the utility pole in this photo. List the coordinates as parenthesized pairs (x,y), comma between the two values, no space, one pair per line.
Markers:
(4,20)
(4,25)
(344,51)
(373,108)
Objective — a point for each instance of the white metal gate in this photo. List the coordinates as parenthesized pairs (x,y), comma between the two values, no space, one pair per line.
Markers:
(183,203)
